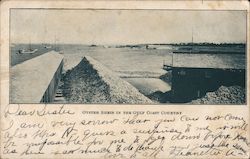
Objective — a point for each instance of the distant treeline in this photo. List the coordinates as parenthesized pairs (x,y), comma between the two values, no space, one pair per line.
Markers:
(224,48)
(179,47)
(127,45)
(210,44)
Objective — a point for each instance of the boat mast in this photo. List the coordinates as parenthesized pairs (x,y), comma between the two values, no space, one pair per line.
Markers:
(172,59)
(192,35)
(55,43)
(29,45)
(45,34)
(192,39)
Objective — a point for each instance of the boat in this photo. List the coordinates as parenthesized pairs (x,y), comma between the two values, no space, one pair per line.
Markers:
(28,51)
(48,47)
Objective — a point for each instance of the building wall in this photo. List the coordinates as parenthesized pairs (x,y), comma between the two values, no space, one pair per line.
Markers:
(50,92)
(193,83)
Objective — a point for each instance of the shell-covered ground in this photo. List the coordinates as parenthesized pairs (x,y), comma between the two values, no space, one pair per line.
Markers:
(91,82)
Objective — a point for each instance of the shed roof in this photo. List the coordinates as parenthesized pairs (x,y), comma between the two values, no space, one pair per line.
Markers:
(30,79)
(221,61)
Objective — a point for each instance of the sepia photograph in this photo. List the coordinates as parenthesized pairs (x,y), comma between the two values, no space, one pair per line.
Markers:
(127,56)
(124,79)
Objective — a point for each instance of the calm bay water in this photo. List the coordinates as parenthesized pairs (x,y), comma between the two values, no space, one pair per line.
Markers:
(125,61)
(140,67)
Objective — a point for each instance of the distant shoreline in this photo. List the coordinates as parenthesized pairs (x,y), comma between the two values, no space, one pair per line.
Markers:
(173,44)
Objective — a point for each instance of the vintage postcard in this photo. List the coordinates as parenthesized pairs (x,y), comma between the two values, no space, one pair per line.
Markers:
(125,79)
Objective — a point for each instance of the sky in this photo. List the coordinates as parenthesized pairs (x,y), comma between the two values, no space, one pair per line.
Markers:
(126,26)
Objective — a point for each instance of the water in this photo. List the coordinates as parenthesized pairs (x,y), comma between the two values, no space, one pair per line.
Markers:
(148,86)
(17,58)
(140,67)
(124,61)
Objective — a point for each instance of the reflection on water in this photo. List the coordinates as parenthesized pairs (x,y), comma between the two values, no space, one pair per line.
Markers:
(148,86)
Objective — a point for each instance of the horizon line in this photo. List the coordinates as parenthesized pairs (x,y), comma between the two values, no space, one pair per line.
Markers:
(139,43)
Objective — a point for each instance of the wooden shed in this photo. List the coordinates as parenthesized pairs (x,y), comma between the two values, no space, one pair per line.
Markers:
(36,80)
(195,74)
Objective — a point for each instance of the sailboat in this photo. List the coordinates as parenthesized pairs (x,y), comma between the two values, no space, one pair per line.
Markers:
(192,47)
(168,67)
(46,46)
(56,45)
(28,51)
